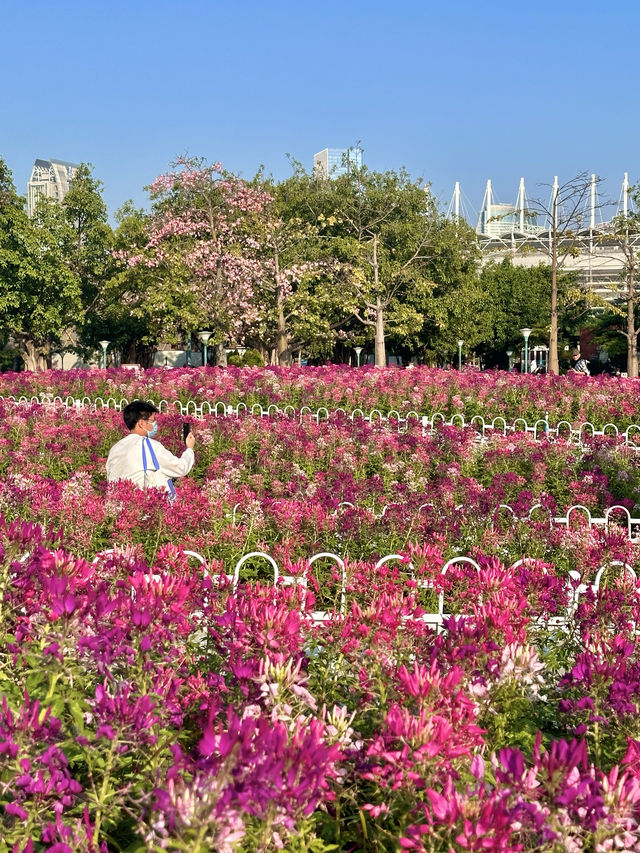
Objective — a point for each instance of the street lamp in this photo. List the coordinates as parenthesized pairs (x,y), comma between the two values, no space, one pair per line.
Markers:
(509,354)
(460,343)
(104,345)
(204,337)
(358,350)
(525,334)
(188,353)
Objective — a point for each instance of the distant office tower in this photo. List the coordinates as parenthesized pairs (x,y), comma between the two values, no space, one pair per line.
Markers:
(333,162)
(49,178)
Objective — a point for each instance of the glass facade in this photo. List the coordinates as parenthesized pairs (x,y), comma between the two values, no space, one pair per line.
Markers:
(333,162)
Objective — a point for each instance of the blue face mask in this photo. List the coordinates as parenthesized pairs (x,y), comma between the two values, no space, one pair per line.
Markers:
(153,430)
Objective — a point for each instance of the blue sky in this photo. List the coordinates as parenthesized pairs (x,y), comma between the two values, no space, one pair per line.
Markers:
(453,91)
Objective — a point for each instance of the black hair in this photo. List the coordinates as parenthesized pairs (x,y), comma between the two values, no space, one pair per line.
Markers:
(137,411)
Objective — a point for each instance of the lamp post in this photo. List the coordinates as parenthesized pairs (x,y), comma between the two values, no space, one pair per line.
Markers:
(188,353)
(509,354)
(358,350)
(204,337)
(460,343)
(104,345)
(525,334)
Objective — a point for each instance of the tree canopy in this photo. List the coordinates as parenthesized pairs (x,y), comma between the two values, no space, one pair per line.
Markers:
(307,265)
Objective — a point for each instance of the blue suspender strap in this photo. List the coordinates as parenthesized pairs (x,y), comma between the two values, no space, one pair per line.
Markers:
(152,454)
(146,443)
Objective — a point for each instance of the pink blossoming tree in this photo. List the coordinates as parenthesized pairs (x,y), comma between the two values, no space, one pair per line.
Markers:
(202,247)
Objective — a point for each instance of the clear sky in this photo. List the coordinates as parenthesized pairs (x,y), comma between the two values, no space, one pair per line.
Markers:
(463,90)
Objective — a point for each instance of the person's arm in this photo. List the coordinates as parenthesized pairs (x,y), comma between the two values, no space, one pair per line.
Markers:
(175,466)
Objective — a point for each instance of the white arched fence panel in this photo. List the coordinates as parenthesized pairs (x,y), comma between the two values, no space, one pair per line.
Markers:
(619,510)
(573,509)
(563,430)
(342,506)
(513,518)
(399,558)
(568,433)
(494,425)
(542,425)
(325,615)
(587,428)
(437,619)
(252,555)
(536,508)
(200,559)
(479,421)
(626,570)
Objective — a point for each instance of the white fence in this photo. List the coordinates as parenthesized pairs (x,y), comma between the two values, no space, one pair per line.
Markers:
(541,428)
(618,515)
(575,587)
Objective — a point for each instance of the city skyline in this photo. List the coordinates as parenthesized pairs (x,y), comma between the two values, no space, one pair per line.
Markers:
(49,178)
(456,93)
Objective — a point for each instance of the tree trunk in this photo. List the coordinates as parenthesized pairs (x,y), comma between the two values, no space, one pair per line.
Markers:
(554,366)
(282,347)
(632,335)
(221,355)
(282,337)
(33,357)
(380,349)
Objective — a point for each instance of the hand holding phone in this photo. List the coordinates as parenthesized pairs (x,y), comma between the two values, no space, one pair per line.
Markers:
(186,429)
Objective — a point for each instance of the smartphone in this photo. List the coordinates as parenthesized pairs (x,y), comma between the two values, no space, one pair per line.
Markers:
(186,429)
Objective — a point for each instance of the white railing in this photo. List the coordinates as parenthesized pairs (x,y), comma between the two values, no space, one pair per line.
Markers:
(563,430)
(575,588)
(631,523)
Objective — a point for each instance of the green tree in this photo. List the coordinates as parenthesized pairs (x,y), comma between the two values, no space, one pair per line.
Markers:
(383,231)
(517,297)
(455,307)
(39,293)
(88,251)
(624,239)
(387,222)
(125,311)
(302,291)
(202,250)
(565,215)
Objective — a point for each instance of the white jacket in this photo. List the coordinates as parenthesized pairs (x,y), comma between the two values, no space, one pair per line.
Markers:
(124,461)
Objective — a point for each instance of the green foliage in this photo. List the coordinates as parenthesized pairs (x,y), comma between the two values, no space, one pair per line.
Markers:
(39,294)
(252,358)
(517,297)
(384,253)
(124,313)
(607,327)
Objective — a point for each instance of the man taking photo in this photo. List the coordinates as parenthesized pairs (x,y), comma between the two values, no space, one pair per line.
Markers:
(138,457)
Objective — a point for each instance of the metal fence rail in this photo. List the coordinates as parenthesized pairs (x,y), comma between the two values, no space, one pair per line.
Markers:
(618,515)
(564,430)
(575,587)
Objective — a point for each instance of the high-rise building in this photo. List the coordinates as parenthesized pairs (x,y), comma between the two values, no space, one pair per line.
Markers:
(333,162)
(49,178)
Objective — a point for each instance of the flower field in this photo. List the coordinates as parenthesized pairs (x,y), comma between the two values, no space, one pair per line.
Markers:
(599,400)
(458,670)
